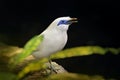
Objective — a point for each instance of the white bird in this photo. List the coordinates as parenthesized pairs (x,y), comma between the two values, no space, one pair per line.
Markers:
(50,41)
(55,37)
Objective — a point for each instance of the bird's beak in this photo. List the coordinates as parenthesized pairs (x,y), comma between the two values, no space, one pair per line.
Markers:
(73,20)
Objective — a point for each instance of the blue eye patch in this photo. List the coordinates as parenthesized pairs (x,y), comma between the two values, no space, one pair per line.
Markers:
(63,22)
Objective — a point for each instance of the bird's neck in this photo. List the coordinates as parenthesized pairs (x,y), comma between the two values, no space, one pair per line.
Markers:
(55,31)
(51,26)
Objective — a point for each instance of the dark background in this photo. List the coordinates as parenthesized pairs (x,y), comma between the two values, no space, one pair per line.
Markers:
(98,25)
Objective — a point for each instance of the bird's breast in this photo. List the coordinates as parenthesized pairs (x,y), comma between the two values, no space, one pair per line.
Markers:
(56,40)
(52,43)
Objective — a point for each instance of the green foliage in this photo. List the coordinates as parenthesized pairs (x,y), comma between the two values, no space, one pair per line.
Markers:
(84,51)
(29,47)
(6,52)
(73,76)
(34,66)
(77,51)
(114,50)
(7,76)
(40,64)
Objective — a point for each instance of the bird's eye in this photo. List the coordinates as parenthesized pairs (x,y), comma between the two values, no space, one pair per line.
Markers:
(62,21)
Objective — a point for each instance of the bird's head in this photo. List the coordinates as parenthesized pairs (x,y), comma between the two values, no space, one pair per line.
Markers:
(63,23)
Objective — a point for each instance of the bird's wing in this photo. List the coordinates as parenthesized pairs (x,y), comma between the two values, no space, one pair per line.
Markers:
(29,47)
(32,45)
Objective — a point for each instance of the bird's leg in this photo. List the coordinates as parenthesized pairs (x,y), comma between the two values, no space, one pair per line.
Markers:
(52,67)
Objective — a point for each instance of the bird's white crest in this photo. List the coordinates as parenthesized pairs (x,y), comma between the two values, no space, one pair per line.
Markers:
(56,23)
(58,19)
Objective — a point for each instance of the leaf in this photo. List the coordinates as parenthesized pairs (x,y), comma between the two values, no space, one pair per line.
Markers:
(113,50)
(83,51)
(36,65)
(29,47)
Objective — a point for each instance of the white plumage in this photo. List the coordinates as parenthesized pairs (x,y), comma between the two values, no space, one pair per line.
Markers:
(55,37)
